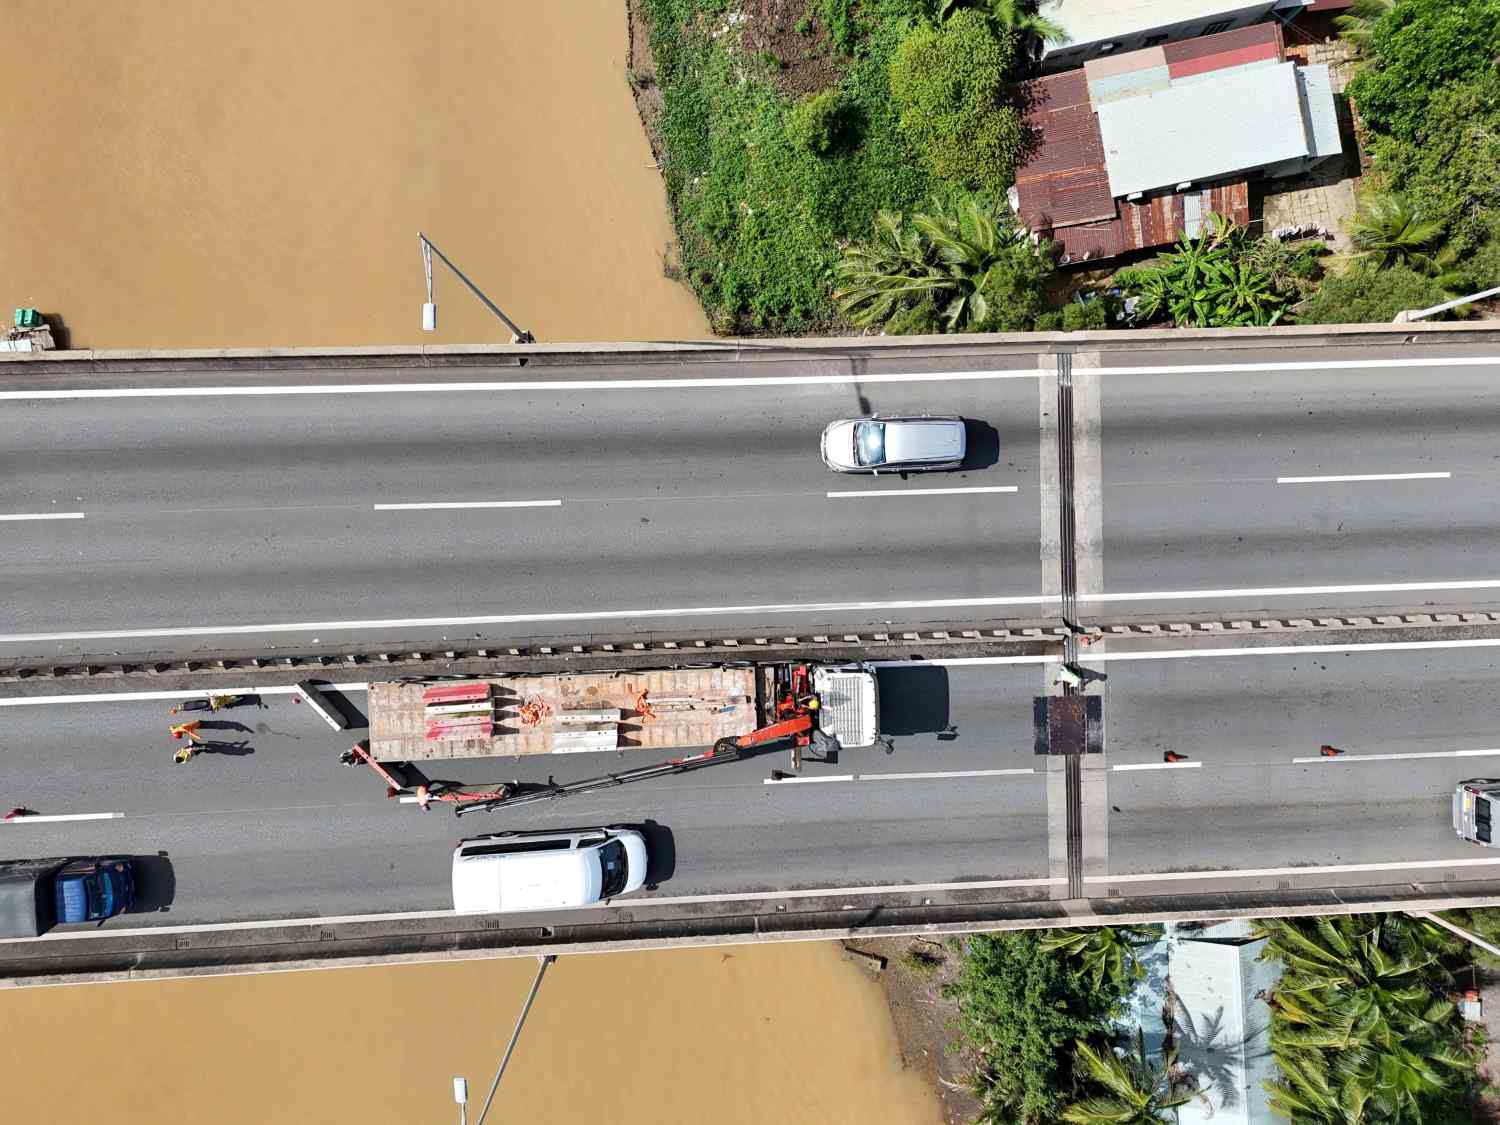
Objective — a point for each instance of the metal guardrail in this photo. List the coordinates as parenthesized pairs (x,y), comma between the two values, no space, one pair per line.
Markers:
(178,951)
(839,644)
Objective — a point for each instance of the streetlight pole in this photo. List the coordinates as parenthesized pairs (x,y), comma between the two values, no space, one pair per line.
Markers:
(518,335)
(541,970)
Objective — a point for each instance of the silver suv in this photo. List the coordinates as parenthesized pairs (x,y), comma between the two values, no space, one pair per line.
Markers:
(893,445)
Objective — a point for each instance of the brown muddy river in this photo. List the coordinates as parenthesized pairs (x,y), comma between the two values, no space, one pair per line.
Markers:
(793,1035)
(182,174)
(189,174)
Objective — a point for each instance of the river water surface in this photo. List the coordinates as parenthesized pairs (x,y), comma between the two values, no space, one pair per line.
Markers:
(188,174)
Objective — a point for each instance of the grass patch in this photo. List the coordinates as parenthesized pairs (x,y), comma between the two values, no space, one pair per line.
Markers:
(760,219)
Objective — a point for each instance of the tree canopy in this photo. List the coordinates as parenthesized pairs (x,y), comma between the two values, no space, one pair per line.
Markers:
(948,83)
(1022,1010)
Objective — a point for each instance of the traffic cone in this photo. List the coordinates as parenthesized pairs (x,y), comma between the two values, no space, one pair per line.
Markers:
(1329,751)
(1173,756)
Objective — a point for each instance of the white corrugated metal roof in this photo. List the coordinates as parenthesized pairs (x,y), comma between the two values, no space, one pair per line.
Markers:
(1223,1028)
(1322,116)
(1092,21)
(1248,117)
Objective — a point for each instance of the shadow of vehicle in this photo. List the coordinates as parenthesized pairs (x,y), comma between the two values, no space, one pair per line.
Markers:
(914,700)
(661,852)
(982,445)
(155,883)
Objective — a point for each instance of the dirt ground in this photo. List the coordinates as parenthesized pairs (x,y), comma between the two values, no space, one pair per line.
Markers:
(783,30)
(779,30)
(915,975)
(640,69)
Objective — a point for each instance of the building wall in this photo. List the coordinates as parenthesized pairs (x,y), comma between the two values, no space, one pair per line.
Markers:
(1146,33)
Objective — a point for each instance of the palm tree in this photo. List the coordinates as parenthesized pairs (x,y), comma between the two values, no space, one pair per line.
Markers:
(1357,24)
(1361,1029)
(885,276)
(945,258)
(1389,231)
(1134,1090)
(1107,953)
(1019,17)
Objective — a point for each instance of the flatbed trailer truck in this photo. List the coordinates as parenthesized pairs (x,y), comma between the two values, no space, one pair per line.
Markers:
(576,712)
(733,710)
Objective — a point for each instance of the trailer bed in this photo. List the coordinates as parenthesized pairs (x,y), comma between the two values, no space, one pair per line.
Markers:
(572,712)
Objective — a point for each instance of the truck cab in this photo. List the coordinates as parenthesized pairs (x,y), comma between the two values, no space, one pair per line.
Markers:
(849,704)
(1475,809)
(90,890)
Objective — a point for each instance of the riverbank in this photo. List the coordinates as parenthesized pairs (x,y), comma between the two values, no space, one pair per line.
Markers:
(791,1034)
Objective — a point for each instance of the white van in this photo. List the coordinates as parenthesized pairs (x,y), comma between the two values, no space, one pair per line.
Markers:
(546,870)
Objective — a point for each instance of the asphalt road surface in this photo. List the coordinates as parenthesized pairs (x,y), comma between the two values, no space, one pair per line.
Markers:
(171,515)
(1237,482)
(277,829)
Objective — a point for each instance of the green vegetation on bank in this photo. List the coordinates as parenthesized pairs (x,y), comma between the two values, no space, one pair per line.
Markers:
(948,269)
(768,185)
(866,189)
(764,190)
(1363,1026)
(1428,95)
(1021,1012)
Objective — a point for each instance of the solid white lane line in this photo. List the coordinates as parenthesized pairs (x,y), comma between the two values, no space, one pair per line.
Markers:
(934,775)
(148,696)
(1287,650)
(1321,760)
(1291,591)
(632,903)
(920,491)
(938,775)
(1268,872)
(447,505)
(808,780)
(1363,477)
(64,816)
(726,610)
(1158,766)
(980,661)
(522,385)
(525,618)
(1325,366)
(24,516)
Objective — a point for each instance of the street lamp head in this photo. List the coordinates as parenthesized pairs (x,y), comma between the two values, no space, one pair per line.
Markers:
(461,1091)
(429,317)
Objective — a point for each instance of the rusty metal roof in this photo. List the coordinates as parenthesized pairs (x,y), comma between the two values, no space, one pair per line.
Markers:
(1257,43)
(1063,181)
